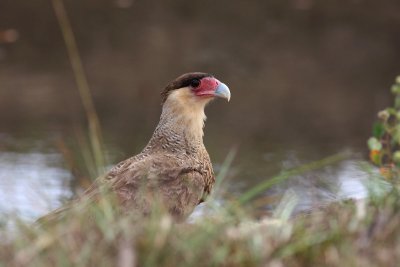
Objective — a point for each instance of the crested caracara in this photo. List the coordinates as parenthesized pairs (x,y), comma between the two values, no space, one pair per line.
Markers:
(174,168)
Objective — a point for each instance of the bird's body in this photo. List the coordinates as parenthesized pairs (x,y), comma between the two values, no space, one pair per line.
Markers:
(174,168)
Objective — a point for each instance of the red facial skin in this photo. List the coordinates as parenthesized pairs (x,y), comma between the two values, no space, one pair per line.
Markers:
(207,87)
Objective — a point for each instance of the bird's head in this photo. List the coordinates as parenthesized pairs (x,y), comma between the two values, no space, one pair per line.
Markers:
(196,87)
(184,100)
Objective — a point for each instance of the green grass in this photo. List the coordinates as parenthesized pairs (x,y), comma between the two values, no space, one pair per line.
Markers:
(345,233)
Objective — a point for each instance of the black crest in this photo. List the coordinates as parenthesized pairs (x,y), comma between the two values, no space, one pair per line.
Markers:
(182,81)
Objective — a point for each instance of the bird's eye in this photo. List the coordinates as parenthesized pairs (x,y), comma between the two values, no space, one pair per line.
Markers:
(195,83)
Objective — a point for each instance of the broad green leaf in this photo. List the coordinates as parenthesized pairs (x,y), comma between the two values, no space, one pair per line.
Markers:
(392,111)
(395,89)
(378,130)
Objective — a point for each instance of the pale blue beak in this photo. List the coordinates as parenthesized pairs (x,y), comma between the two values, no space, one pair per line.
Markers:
(223,92)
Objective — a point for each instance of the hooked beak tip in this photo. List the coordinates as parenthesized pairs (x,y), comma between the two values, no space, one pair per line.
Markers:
(223,91)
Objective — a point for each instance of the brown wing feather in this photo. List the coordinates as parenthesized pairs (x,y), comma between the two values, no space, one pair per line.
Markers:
(163,177)
(139,182)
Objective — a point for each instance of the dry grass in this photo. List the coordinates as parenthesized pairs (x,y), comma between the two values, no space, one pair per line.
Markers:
(348,233)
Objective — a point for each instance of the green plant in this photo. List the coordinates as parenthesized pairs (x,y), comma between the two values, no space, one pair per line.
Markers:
(384,145)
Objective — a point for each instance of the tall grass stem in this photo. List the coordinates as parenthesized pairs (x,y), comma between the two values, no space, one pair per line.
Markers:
(82,83)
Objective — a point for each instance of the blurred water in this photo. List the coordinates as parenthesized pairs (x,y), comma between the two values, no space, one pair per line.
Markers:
(347,180)
(32,183)
(35,181)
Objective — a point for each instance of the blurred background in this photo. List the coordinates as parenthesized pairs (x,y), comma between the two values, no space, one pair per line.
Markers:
(307,78)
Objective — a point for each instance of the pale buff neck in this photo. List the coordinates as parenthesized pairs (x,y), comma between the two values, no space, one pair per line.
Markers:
(183,113)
